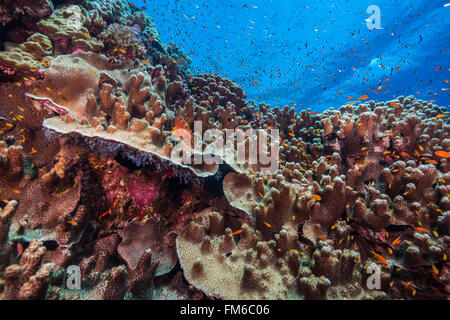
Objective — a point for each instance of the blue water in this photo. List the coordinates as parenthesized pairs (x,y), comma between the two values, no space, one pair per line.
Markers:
(314,54)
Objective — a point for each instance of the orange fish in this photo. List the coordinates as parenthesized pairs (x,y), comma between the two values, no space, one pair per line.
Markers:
(394,105)
(420,229)
(104,214)
(237,232)
(268,224)
(73,222)
(350,97)
(115,203)
(317,197)
(442,154)
(440,116)
(19,249)
(379,258)
(434,289)
(404,154)
(364,97)
(180,123)
(430,161)
(396,241)
(144,61)
(432,100)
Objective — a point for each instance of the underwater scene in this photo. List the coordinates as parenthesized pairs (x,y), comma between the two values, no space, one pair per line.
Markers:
(224,150)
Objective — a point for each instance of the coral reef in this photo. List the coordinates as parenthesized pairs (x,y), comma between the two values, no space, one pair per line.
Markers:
(91,112)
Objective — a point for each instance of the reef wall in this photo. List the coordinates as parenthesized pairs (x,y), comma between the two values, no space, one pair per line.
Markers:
(91,101)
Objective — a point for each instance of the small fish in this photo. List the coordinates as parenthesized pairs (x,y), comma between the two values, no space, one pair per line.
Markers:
(104,214)
(144,61)
(19,249)
(72,222)
(396,241)
(405,154)
(394,105)
(268,225)
(435,270)
(115,202)
(379,258)
(442,154)
(5,125)
(434,289)
(364,97)
(420,229)
(317,197)
(237,232)
(440,116)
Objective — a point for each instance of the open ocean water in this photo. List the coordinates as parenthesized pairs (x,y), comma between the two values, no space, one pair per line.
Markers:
(314,54)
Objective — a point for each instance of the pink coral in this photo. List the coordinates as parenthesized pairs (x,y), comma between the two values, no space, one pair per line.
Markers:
(143,193)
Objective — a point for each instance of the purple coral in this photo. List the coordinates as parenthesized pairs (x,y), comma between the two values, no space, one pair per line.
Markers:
(143,193)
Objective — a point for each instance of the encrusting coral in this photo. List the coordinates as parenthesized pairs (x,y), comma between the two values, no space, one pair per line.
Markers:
(91,112)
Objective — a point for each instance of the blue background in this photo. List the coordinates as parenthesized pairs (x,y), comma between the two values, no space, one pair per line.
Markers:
(313,54)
